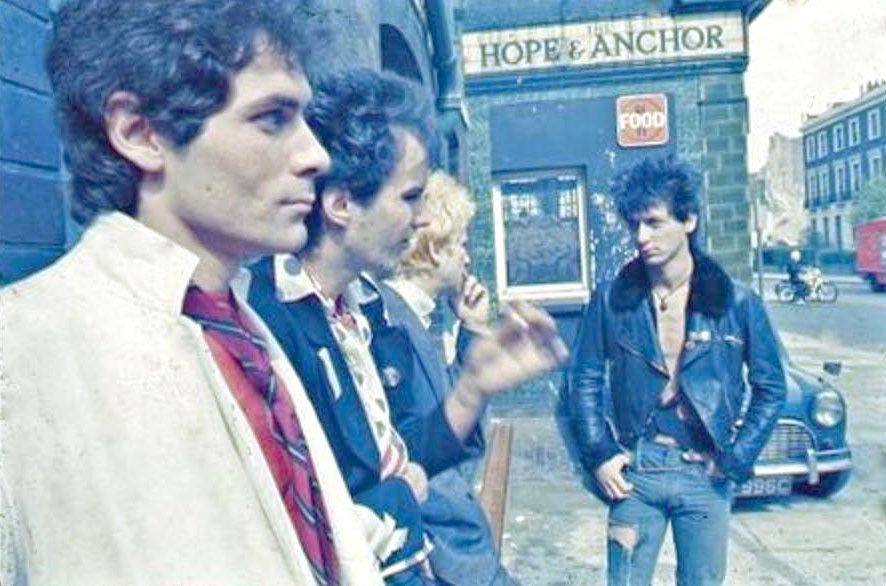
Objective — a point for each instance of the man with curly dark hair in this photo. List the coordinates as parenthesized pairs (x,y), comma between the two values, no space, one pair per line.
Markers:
(357,367)
(153,430)
(671,335)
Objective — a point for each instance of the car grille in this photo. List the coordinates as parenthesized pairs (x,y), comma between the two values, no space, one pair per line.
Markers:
(789,441)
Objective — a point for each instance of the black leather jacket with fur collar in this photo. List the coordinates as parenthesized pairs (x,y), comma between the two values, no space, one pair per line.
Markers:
(727,329)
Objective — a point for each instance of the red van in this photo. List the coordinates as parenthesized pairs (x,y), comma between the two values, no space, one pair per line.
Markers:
(870,256)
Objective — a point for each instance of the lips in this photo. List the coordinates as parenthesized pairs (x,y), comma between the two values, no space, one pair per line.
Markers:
(301,204)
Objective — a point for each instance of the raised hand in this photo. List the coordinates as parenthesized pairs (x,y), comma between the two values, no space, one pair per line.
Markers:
(521,346)
(471,305)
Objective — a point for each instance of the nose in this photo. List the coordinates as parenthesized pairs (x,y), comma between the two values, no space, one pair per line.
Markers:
(642,234)
(311,160)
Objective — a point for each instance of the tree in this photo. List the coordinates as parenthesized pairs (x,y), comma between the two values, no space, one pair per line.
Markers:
(870,202)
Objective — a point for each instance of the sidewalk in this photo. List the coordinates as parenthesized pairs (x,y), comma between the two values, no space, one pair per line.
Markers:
(555,531)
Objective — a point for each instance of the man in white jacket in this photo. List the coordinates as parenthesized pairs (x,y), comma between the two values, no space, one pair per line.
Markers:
(145,439)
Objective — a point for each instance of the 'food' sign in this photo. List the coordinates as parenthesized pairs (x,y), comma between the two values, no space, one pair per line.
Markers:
(642,120)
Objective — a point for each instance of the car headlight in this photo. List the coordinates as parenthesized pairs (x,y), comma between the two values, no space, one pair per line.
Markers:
(828,409)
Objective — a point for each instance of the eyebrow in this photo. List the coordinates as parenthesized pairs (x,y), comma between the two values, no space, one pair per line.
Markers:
(275,101)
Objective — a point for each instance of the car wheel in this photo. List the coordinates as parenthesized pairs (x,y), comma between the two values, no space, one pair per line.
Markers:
(828,484)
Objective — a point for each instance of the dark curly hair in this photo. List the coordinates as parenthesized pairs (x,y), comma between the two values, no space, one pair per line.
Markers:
(651,182)
(176,56)
(354,113)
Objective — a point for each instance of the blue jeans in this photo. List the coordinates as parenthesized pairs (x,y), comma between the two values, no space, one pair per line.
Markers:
(667,488)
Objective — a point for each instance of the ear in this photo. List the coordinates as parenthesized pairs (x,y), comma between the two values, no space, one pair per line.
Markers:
(691,223)
(130,133)
(336,205)
(433,253)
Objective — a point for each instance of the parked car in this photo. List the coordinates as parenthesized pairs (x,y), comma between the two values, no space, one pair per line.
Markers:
(807,451)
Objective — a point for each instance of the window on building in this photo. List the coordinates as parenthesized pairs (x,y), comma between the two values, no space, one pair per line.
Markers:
(541,236)
(810,148)
(839,138)
(854,134)
(875,164)
(854,173)
(824,185)
(811,188)
(813,232)
(874,124)
(839,178)
(838,231)
(822,143)
(827,231)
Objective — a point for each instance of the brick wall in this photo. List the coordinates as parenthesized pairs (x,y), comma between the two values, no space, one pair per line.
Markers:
(724,125)
(33,209)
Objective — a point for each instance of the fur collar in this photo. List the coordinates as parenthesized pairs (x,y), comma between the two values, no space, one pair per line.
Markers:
(710,291)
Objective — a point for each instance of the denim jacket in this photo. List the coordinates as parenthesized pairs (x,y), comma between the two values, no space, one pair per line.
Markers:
(727,329)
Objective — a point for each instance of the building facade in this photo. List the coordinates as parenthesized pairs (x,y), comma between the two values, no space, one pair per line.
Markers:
(415,38)
(562,96)
(843,148)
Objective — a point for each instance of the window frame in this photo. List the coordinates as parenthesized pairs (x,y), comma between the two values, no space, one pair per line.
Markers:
(812,187)
(840,178)
(824,185)
(810,148)
(839,133)
(875,155)
(563,296)
(854,137)
(822,140)
(872,116)
(855,180)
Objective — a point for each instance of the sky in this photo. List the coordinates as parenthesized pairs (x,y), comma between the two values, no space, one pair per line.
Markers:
(804,55)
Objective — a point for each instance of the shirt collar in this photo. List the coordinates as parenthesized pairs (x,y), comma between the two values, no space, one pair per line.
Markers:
(291,281)
(294,283)
(152,268)
(422,304)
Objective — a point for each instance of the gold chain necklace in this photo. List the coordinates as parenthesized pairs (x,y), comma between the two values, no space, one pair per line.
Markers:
(663,299)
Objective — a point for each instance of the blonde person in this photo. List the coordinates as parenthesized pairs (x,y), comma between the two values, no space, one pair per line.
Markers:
(436,267)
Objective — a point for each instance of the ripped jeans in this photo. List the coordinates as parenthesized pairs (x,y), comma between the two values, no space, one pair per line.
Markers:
(667,488)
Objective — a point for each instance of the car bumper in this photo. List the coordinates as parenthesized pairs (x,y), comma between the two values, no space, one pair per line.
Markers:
(809,470)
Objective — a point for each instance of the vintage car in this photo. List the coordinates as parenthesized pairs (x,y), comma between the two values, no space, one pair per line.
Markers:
(807,451)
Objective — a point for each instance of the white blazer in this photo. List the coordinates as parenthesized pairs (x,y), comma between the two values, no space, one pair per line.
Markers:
(125,458)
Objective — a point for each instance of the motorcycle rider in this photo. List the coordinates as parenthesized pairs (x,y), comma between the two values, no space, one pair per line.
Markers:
(795,276)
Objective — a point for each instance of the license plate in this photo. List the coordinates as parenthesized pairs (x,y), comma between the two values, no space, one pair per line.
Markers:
(766,486)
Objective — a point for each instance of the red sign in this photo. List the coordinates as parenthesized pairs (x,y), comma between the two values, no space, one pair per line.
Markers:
(642,120)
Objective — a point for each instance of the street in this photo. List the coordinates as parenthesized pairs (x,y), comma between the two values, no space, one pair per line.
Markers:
(555,531)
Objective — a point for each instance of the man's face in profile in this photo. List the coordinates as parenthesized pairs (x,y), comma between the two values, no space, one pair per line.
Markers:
(244,185)
(379,232)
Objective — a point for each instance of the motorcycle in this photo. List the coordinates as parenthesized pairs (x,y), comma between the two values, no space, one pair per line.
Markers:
(818,289)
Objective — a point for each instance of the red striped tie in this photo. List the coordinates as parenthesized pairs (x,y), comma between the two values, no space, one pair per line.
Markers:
(272,417)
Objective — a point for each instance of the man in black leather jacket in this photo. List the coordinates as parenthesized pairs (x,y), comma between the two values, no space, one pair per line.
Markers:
(675,428)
